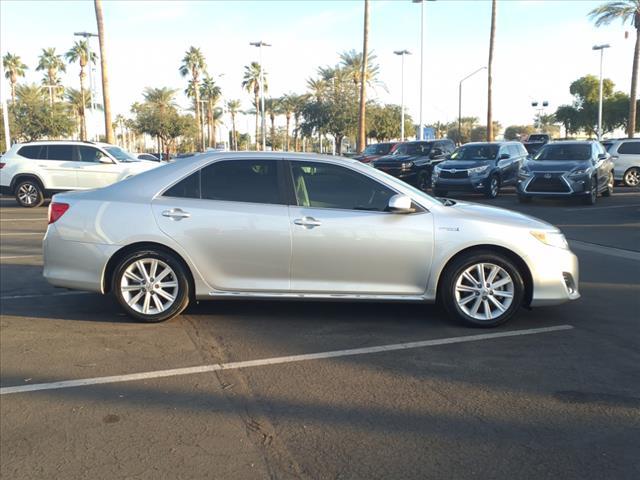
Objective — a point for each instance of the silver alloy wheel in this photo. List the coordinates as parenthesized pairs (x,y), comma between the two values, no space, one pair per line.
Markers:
(494,187)
(632,177)
(28,194)
(149,286)
(484,291)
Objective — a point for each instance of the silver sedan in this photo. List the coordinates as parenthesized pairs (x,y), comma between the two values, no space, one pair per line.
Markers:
(294,226)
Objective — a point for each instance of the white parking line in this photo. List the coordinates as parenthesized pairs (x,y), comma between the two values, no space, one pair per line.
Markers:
(274,361)
(10,257)
(591,209)
(38,295)
(22,219)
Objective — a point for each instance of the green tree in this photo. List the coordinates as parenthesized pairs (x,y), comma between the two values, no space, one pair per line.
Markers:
(518,132)
(194,64)
(287,107)
(35,118)
(625,11)
(251,83)
(13,68)
(210,93)
(78,104)
(272,109)
(233,107)
(467,124)
(383,122)
(51,63)
(81,54)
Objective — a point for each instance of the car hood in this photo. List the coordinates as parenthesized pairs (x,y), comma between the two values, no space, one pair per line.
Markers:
(463,164)
(555,165)
(366,158)
(495,215)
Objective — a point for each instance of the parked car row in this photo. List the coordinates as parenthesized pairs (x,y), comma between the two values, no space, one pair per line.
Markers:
(558,169)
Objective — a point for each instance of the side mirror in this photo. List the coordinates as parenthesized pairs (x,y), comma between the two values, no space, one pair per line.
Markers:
(504,156)
(603,156)
(105,159)
(436,152)
(400,204)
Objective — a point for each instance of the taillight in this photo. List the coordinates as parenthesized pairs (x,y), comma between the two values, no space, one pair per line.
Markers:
(56,210)
(2,165)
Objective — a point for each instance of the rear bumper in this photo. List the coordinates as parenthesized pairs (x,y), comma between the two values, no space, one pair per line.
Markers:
(75,265)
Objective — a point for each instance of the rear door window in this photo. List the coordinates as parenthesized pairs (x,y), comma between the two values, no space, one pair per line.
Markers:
(34,152)
(629,148)
(186,188)
(60,152)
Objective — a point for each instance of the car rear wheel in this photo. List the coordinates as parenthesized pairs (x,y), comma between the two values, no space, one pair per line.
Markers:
(29,194)
(151,286)
(482,289)
(592,196)
(493,187)
(610,182)
(631,177)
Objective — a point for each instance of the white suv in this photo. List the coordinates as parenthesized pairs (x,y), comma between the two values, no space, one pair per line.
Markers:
(36,170)
(625,153)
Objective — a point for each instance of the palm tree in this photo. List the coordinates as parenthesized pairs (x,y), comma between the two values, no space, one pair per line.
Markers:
(489,69)
(299,102)
(251,83)
(362,124)
(78,103)
(160,97)
(625,11)
(194,64)
(210,93)
(352,64)
(287,106)
(13,68)
(272,108)
(80,53)
(233,107)
(106,98)
(52,64)
(317,87)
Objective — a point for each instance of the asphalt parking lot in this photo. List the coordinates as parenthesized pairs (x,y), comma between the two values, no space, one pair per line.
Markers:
(553,394)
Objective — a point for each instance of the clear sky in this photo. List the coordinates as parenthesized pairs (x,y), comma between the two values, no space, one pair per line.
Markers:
(541,46)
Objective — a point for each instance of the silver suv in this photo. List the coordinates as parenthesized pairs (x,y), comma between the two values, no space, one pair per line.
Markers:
(625,154)
(36,170)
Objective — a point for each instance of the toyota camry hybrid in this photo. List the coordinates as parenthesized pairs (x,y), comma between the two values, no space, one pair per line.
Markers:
(296,226)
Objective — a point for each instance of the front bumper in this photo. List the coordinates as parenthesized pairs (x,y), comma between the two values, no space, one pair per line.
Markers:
(469,184)
(555,277)
(553,185)
(75,265)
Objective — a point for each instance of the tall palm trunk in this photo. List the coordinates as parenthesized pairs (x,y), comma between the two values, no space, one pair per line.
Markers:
(256,93)
(272,117)
(83,118)
(106,98)
(288,117)
(214,133)
(14,80)
(296,145)
(212,139)
(363,83)
(234,139)
(490,132)
(196,94)
(631,127)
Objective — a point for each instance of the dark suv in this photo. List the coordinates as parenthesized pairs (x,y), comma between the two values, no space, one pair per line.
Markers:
(567,169)
(479,167)
(375,151)
(413,162)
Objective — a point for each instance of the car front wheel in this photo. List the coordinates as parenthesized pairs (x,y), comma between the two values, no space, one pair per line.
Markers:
(493,187)
(591,197)
(29,194)
(632,177)
(151,286)
(482,289)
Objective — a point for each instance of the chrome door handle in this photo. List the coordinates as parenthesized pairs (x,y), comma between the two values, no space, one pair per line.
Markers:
(176,214)
(307,222)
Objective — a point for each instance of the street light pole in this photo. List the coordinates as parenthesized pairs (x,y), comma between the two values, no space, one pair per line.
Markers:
(87,36)
(402,53)
(601,48)
(421,2)
(261,44)
(460,101)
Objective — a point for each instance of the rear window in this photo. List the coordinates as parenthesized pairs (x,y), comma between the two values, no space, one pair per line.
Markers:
(33,151)
(60,152)
(632,148)
(254,181)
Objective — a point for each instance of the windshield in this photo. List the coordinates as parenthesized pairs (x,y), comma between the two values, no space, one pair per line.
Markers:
(121,155)
(538,138)
(377,149)
(476,152)
(564,152)
(419,149)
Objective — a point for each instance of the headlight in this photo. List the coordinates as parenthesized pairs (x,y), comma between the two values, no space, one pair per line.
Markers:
(578,173)
(436,169)
(553,239)
(406,165)
(477,170)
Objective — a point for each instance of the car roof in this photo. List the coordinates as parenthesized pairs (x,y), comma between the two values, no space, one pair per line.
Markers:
(574,142)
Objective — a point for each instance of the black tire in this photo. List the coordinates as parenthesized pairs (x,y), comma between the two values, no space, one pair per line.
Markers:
(610,183)
(449,278)
(524,199)
(492,188)
(423,182)
(180,293)
(592,197)
(631,177)
(440,193)
(29,194)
